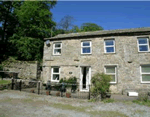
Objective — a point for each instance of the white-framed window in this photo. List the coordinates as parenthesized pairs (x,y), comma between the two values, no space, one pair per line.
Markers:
(143,44)
(109,46)
(111,70)
(86,47)
(57,48)
(145,73)
(55,74)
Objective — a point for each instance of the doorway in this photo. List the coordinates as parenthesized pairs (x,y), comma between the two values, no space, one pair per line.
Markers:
(85,78)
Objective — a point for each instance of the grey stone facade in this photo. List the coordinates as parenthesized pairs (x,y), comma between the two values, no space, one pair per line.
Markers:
(25,69)
(126,58)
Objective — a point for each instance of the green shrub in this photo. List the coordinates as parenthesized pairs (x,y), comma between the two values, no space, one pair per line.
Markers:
(69,82)
(143,97)
(1,67)
(101,85)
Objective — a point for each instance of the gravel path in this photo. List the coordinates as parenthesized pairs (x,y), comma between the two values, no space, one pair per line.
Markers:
(21,104)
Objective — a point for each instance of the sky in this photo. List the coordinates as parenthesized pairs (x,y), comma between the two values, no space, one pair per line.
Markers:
(109,14)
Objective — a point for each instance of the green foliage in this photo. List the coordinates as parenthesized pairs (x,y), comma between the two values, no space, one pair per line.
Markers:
(108,100)
(101,85)
(25,24)
(71,80)
(92,100)
(85,27)
(75,29)
(28,48)
(8,28)
(58,31)
(147,103)
(3,82)
(1,67)
(143,97)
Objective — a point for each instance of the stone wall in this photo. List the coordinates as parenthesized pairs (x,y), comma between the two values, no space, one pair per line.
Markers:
(126,58)
(25,69)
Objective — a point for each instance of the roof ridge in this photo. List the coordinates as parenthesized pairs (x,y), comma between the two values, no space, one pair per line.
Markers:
(101,32)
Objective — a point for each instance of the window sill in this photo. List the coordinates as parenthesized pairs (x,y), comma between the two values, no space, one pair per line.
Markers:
(110,53)
(145,82)
(56,54)
(87,54)
(113,82)
(144,52)
(54,81)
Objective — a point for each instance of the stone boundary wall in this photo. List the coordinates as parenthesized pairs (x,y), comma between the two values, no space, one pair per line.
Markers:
(25,69)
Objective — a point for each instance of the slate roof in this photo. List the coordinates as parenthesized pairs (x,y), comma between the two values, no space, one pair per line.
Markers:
(97,33)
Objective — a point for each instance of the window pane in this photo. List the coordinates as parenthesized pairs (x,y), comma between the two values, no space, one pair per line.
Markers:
(143,41)
(145,69)
(113,78)
(109,49)
(86,50)
(57,45)
(55,76)
(55,70)
(57,51)
(143,48)
(110,69)
(145,77)
(109,42)
(86,43)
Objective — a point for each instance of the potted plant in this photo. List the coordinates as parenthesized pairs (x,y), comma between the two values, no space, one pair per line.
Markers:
(47,92)
(108,94)
(68,94)
(58,93)
(32,90)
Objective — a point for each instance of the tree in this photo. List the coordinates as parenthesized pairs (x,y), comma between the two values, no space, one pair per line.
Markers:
(85,27)
(9,22)
(66,22)
(35,22)
(75,29)
(58,31)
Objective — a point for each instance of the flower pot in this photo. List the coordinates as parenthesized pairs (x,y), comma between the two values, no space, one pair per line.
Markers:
(47,92)
(108,94)
(68,95)
(32,91)
(58,93)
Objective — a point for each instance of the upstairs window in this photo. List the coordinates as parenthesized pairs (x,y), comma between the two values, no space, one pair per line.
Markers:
(143,44)
(145,73)
(111,70)
(55,72)
(57,48)
(86,47)
(109,46)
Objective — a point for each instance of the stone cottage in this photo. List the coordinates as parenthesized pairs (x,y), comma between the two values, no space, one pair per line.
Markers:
(124,54)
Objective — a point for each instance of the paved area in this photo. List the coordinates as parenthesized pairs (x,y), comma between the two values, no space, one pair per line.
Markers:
(23,104)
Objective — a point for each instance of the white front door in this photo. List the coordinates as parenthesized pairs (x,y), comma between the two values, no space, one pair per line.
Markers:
(85,77)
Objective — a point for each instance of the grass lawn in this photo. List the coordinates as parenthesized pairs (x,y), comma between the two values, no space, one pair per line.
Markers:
(146,103)
(2,82)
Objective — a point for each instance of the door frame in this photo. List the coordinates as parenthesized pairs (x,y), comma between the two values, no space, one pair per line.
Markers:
(89,80)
